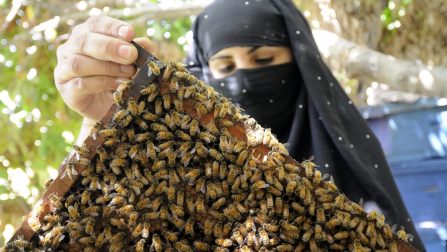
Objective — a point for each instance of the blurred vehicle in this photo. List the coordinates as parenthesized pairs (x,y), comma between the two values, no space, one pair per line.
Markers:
(414,139)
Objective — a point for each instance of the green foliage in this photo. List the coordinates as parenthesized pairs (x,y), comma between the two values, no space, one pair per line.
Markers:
(391,16)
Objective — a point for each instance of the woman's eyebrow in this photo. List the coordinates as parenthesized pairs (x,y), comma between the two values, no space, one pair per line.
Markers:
(253,49)
(220,57)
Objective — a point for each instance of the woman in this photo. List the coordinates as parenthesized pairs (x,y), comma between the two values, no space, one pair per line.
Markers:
(262,55)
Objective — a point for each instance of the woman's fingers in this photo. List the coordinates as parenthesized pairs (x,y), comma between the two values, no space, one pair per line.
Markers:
(99,46)
(109,26)
(78,65)
(76,88)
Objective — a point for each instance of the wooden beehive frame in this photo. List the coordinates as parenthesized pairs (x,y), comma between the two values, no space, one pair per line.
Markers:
(63,183)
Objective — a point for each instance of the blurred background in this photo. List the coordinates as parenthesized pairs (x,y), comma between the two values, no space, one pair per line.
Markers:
(389,56)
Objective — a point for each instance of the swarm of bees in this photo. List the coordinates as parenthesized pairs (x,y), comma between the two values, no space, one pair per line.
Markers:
(182,169)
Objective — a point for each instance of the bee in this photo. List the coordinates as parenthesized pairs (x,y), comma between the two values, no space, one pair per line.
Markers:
(201,246)
(182,246)
(158,165)
(200,205)
(401,234)
(120,115)
(320,217)
(341,235)
(284,248)
(201,109)
(176,210)
(71,171)
(118,98)
(360,227)
(117,201)
(164,135)
(261,184)
(151,216)
(158,106)
(170,236)
(139,247)
(207,137)
(178,223)
(242,157)
(189,227)
(201,150)
(154,68)
(354,222)
(132,106)
(92,210)
(184,123)
(380,220)
(86,240)
(133,217)
(56,201)
(169,70)
(372,215)
(208,226)
(332,223)
(264,237)
(224,242)
(152,88)
(145,230)
(89,226)
(215,154)
(387,232)
(182,135)
(81,150)
(325,198)
(380,240)
(166,101)
(251,237)
(227,227)
(124,86)
(191,176)
(218,230)
(307,235)
(156,243)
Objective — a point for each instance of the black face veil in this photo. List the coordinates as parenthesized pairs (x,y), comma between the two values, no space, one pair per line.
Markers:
(324,122)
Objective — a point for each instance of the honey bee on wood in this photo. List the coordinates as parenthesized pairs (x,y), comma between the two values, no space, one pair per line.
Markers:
(56,201)
(154,68)
(168,72)
(152,88)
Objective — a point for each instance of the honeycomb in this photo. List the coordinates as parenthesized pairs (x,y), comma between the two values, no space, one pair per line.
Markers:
(183,169)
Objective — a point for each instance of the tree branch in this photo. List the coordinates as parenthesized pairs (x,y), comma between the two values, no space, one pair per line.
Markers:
(366,64)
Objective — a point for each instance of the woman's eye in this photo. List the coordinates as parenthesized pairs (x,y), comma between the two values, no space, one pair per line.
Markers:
(264,61)
(226,69)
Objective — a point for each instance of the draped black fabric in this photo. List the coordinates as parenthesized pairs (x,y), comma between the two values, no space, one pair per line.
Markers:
(325,122)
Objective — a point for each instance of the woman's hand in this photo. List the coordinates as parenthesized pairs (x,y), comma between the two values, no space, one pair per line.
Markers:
(97,56)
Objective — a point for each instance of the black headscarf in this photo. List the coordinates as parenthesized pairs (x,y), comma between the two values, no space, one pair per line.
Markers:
(324,122)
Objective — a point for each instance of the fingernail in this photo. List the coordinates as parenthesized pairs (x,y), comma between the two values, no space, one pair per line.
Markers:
(119,80)
(123,31)
(127,69)
(124,51)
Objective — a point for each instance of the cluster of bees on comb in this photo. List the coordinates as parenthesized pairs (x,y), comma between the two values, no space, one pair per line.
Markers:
(182,169)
